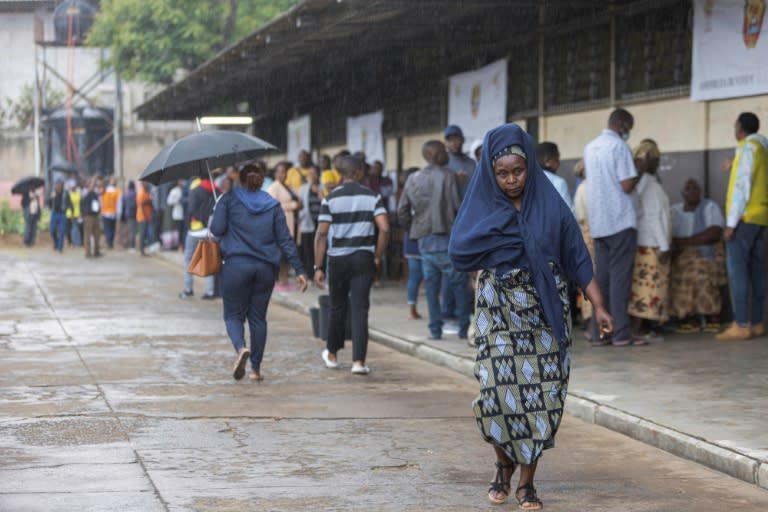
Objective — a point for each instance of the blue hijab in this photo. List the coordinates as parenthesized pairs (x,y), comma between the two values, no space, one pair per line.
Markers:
(490,232)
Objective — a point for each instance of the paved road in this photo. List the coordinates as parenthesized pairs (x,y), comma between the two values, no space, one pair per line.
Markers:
(115,395)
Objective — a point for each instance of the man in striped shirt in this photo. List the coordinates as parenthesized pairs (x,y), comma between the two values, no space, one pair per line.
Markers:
(346,229)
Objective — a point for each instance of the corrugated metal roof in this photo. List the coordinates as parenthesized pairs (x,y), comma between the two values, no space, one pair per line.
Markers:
(25,5)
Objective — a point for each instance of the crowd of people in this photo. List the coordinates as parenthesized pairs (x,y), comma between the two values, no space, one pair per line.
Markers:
(656,259)
(93,212)
(661,263)
(507,252)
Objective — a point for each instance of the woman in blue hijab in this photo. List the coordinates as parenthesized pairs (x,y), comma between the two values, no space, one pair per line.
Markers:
(514,228)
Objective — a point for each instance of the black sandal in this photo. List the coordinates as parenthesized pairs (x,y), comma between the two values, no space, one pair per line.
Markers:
(529,498)
(499,485)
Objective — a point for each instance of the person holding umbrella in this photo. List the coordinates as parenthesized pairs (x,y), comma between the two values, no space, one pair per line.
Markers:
(30,203)
(254,235)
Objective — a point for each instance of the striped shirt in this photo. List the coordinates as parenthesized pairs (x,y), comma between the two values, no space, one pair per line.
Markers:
(350,210)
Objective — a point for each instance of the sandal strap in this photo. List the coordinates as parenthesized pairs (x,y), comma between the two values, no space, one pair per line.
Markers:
(529,496)
(498,484)
(500,487)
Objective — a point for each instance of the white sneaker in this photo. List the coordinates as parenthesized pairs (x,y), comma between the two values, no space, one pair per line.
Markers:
(327,360)
(360,370)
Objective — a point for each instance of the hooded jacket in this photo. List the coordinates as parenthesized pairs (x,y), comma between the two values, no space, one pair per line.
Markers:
(252,225)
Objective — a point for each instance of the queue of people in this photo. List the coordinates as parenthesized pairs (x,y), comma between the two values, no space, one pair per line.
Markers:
(657,261)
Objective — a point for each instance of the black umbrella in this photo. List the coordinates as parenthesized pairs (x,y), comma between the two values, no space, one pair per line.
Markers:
(194,155)
(65,167)
(26,184)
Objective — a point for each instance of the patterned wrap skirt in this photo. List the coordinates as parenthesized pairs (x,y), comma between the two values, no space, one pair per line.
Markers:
(695,281)
(650,284)
(523,382)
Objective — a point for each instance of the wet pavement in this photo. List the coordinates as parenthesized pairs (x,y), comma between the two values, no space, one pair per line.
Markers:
(116,395)
(710,398)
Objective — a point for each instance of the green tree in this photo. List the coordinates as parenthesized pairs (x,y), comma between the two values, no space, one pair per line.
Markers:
(21,112)
(150,39)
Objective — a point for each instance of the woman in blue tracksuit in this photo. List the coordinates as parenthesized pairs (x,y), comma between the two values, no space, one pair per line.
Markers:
(253,232)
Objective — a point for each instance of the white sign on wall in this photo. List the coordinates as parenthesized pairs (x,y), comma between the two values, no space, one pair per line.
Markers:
(364,133)
(299,137)
(477,100)
(730,49)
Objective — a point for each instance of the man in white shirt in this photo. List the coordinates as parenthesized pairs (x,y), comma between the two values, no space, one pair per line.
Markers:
(548,156)
(612,218)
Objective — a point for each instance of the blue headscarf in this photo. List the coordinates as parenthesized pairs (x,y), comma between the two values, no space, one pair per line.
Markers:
(490,232)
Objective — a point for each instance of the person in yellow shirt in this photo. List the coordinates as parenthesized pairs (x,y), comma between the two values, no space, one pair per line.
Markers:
(331,178)
(74,219)
(746,218)
(297,176)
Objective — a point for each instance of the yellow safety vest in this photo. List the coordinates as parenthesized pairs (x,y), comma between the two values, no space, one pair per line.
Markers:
(756,211)
(74,211)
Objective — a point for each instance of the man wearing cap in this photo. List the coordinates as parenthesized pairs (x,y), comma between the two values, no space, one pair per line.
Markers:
(464,167)
(458,162)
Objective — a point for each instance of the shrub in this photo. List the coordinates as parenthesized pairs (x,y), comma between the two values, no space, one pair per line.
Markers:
(11,221)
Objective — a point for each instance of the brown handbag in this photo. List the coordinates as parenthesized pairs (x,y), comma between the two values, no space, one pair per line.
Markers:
(206,260)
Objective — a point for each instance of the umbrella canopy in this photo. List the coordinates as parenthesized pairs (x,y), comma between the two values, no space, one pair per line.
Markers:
(194,154)
(26,184)
(65,167)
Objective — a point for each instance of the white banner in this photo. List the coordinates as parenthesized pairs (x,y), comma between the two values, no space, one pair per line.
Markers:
(364,133)
(730,49)
(477,100)
(299,137)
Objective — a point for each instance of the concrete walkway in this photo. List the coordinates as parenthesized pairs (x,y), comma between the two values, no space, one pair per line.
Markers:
(117,396)
(693,396)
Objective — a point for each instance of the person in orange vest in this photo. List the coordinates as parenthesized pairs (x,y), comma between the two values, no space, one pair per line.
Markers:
(109,200)
(746,216)
(143,214)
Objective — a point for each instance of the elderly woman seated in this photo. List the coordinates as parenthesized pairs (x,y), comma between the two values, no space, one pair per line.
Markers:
(698,261)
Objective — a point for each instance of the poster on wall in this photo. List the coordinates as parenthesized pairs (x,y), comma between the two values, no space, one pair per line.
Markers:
(299,132)
(364,133)
(477,100)
(730,49)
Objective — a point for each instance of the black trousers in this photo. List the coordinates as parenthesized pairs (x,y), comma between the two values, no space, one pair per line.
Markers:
(615,257)
(307,251)
(350,277)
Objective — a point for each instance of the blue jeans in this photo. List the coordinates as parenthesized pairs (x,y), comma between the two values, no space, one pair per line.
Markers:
(189,280)
(77,238)
(58,226)
(746,269)
(30,227)
(415,275)
(109,224)
(246,287)
(448,303)
(435,265)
